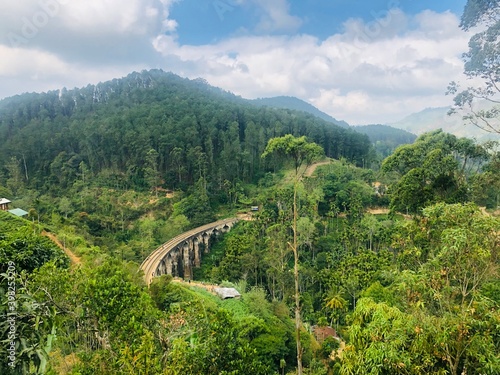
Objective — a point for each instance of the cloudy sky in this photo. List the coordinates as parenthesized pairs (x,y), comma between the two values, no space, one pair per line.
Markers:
(370,61)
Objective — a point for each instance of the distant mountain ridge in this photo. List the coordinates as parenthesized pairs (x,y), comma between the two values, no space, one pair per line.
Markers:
(291,102)
(379,132)
(385,138)
(437,118)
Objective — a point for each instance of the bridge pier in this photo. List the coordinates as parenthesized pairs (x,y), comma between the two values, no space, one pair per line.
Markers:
(206,241)
(168,265)
(187,270)
(196,249)
(175,263)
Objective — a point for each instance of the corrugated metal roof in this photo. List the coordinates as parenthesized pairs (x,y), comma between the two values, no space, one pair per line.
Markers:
(18,212)
(227,293)
(4,201)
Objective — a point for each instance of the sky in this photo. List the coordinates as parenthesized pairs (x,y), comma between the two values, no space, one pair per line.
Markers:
(370,61)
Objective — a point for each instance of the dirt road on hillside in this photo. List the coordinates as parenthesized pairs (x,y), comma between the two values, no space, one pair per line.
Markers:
(72,257)
(310,170)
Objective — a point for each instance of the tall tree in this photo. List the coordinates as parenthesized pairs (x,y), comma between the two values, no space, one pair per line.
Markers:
(435,319)
(151,172)
(433,169)
(300,152)
(15,182)
(481,61)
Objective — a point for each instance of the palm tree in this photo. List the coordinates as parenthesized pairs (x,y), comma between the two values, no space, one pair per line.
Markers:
(336,302)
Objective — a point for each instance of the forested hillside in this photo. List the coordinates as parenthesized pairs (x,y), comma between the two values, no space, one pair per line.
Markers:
(150,129)
(385,138)
(291,102)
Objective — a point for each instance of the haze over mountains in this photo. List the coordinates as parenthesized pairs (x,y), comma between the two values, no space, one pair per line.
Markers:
(438,118)
(416,123)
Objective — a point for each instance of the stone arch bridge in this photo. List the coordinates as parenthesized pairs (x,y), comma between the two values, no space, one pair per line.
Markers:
(178,256)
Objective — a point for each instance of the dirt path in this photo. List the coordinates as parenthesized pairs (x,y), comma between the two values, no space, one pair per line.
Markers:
(378,211)
(72,257)
(209,287)
(310,170)
(385,211)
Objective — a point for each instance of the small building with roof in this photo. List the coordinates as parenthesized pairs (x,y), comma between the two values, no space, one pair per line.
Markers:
(4,204)
(321,333)
(225,293)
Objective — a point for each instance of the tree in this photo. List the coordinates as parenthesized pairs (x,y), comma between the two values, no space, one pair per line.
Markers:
(430,171)
(335,302)
(151,173)
(435,319)
(215,348)
(65,206)
(481,61)
(445,294)
(15,182)
(466,249)
(486,186)
(301,152)
(379,340)
(28,327)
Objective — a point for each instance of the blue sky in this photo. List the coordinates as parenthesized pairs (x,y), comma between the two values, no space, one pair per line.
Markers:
(360,61)
(206,21)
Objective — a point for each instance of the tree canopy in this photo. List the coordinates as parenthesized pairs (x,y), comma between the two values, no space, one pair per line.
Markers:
(480,102)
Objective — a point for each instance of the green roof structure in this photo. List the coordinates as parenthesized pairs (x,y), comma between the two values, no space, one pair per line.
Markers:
(18,212)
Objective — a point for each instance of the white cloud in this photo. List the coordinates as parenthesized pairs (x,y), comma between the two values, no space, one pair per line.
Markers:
(357,75)
(378,71)
(83,16)
(35,71)
(276,17)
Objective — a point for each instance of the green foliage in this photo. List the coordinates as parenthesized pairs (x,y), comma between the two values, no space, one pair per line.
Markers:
(481,61)
(406,296)
(345,188)
(440,319)
(385,138)
(216,349)
(379,338)
(430,171)
(112,301)
(299,150)
(486,186)
(28,327)
(165,293)
(26,249)
(150,128)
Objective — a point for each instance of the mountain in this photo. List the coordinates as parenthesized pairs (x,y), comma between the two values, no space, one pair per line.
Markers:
(378,132)
(148,127)
(290,102)
(385,138)
(437,118)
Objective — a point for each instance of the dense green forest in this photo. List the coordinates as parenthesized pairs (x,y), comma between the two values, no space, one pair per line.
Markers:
(291,102)
(385,138)
(399,260)
(148,122)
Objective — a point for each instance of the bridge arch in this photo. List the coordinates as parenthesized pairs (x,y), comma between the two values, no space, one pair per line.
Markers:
(181,254)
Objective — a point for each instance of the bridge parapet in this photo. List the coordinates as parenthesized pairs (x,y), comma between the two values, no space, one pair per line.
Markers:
(178,256)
